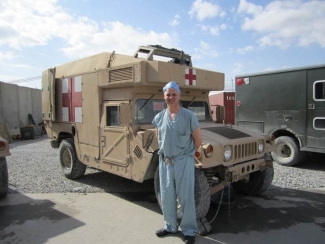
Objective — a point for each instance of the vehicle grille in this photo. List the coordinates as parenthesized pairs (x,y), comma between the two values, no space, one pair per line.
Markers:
(137,151)
(245,150)
(121,74)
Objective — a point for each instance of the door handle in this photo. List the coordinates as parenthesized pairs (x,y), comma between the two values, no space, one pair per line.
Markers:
(287,118)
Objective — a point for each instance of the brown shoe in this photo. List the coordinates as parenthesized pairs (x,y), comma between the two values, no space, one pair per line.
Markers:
(163,232)
(189,239)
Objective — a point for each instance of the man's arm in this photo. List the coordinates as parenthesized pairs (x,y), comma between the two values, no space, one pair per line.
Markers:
(197,137)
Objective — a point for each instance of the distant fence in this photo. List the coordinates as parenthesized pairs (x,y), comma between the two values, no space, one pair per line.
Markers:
(16,102)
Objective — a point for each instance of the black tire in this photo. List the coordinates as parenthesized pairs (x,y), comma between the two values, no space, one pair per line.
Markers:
(287,152)
(71,166)
(4,179)
(259,182)
(201,192)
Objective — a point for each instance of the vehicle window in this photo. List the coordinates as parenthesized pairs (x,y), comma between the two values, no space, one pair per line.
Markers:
(319,123)
(319,90)
(112,118)
(199,108)
(145,109)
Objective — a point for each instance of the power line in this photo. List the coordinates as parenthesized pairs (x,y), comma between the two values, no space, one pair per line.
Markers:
(24,80)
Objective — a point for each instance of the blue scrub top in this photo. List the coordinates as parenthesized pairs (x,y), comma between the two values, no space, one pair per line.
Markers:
(175,136)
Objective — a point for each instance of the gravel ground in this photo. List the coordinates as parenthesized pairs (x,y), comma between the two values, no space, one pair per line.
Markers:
(34,168)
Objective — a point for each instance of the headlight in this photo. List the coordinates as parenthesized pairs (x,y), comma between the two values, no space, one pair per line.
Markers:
(260,146)
(208,150)
(227,153)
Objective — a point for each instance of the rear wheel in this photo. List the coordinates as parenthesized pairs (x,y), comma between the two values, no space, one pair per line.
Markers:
(69,162)
(4,179)
(287,152)
(201,193)
(259,182)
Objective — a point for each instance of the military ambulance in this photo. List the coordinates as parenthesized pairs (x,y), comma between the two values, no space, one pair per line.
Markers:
(288,104)
(98,112)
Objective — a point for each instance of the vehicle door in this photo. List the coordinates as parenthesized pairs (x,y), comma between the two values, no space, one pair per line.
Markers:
(115,133)
(316,109)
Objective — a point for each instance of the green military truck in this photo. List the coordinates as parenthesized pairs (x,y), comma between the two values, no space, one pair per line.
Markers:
(4,179)
(288,104)
(98,112)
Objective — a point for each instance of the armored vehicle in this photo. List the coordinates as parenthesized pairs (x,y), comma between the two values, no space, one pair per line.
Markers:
(4,152)
(288,104)
(98,112)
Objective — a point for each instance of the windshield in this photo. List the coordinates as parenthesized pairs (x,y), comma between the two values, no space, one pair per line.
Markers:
(146,109)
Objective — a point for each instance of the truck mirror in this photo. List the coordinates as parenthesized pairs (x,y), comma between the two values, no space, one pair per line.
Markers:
(147,138)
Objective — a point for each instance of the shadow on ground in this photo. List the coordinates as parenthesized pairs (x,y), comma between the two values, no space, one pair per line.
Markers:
(34,218)
(276,216)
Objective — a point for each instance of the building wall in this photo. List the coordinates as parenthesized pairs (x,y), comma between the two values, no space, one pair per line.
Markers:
(16,103)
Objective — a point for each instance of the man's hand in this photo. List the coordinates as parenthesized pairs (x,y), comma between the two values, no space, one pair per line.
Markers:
(197,137)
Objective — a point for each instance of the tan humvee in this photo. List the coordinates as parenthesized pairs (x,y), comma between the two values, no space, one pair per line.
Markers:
(4,152)
(98,111)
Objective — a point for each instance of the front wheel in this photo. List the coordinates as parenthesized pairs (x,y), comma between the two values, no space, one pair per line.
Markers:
(69,162)
(201,193)
(287,152)
(259,182)
(4,179)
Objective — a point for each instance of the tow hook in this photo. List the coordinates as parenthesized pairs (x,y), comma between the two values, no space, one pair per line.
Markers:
(231,176)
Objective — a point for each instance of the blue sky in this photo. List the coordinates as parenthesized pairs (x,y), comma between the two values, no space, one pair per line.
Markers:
(230,36)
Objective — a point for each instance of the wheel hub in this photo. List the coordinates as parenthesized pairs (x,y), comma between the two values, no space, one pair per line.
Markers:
(67,159)
(286,151)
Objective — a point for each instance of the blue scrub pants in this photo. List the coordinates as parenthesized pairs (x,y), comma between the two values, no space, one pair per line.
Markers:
(177,180)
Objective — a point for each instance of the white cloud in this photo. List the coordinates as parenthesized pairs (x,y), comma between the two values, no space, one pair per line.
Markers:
(6,56)
(250,8)
(238,68)
(29,23)
(205,46)
(285,23)
(205,50)
(202,10)
(32,23)
(175,21)
(244,50)
(213,30)
(114,34)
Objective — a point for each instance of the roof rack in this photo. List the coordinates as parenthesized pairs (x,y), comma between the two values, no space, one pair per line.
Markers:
(177,56)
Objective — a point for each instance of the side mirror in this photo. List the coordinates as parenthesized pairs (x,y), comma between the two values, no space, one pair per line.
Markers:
(147,138)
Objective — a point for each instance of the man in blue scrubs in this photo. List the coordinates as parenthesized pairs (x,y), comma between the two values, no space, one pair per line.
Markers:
(179,136)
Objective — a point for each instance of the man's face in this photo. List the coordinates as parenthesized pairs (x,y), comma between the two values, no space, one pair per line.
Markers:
(171,96)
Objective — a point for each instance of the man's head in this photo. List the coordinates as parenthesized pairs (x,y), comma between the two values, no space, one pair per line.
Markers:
(172,85)
(172,93)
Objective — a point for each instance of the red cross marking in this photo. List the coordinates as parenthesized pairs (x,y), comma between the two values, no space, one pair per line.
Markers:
(190,76)
(72,99)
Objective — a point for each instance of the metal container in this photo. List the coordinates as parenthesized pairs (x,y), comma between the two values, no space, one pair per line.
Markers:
(27,133)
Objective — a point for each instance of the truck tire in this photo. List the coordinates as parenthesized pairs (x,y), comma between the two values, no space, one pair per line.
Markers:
(259,182)
(4,179)
(71,166)
(287,152)
(201,192)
